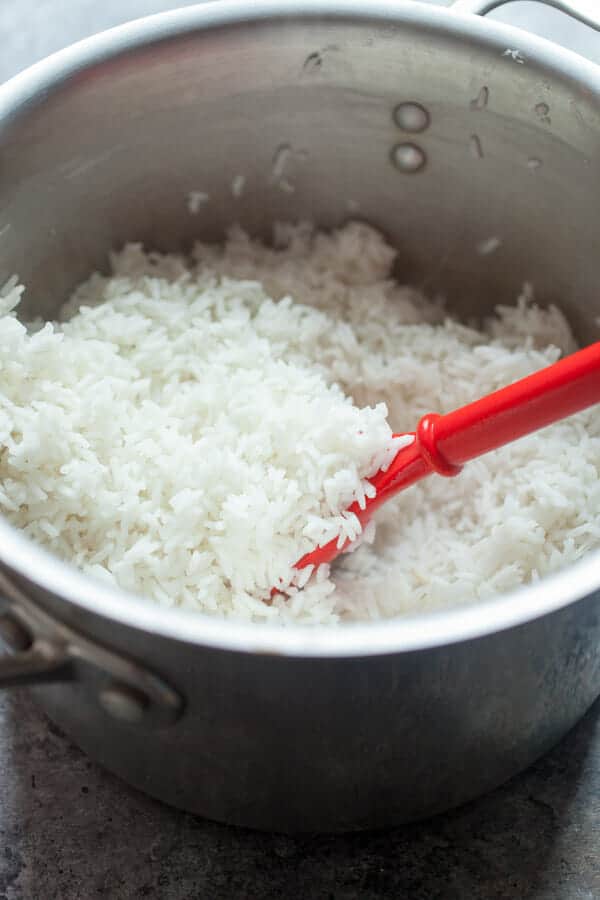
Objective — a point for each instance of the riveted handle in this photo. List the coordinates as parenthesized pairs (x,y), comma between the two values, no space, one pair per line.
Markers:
(46,650)
(578,9)
(36,660)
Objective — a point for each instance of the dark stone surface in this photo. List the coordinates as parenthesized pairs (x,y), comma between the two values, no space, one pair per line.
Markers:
(69,831)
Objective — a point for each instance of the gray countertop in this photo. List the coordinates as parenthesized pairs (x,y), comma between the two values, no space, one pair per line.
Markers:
(70,831)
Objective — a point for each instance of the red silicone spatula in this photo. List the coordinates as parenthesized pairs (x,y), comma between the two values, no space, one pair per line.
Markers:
(443,444)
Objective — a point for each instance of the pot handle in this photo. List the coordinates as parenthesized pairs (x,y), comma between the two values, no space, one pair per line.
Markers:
(47,651)
(577,9)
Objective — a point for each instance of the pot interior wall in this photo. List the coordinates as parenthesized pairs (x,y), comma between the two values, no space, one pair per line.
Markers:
(112,153)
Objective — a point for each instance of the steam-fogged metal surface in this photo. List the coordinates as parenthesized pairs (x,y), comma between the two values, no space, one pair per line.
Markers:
(31,29)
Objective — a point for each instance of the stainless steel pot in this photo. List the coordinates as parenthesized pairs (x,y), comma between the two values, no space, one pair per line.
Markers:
(302,729)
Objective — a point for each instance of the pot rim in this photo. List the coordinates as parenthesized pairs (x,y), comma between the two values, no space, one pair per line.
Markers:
(418,632)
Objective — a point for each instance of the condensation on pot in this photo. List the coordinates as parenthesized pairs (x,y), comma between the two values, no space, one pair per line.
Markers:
(411,117)
(408,158)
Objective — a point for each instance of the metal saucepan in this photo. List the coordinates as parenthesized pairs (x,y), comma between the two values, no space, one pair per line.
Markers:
(301,729)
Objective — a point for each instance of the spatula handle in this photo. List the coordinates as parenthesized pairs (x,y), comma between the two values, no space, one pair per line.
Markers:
(553,393)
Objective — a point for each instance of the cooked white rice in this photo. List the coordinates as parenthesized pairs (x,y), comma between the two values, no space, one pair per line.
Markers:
(187,432)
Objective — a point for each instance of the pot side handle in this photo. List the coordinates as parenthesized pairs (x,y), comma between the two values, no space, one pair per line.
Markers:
(577,9)
(48,651)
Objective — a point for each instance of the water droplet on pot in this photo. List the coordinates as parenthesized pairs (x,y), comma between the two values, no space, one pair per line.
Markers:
(534,163)
(237,185)
(312,63)
(541,111)
(482,98)
(408,158)
(282,166)
(411,117)
(475,147)
(490,245)
(195,201)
